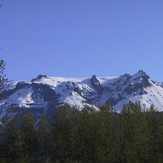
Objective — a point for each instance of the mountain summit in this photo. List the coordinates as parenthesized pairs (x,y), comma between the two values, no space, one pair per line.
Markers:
(42,95)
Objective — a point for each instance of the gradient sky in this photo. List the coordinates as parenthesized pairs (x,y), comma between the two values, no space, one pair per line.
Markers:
(79,38)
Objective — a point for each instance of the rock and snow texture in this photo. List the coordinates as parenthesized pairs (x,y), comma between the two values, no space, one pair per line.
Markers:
(44,94)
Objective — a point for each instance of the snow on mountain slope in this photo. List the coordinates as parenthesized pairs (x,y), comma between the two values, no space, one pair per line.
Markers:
(44,94)
(153,96)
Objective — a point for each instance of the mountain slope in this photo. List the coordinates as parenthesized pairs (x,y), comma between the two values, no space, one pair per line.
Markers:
(44,94)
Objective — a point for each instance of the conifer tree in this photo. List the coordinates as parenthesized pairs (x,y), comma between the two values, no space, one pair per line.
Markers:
(28,135)
(160,137)
(44,138)
(3,78)
(153,126)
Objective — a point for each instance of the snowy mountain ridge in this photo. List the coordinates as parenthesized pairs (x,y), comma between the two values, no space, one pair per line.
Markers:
(43,94)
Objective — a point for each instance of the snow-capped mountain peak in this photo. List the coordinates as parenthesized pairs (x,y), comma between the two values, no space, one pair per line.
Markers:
(42,95)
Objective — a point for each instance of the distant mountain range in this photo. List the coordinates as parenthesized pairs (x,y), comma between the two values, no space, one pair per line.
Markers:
(42,95)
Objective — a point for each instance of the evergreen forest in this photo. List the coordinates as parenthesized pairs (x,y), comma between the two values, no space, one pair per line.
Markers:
(105,136)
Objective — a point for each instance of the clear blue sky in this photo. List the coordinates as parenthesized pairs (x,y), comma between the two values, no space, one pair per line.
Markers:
(79,38)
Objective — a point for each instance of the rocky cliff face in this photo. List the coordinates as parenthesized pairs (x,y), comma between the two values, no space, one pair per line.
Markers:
(96,84)
(42,95)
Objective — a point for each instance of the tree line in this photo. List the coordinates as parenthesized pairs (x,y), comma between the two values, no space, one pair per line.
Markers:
(102,136)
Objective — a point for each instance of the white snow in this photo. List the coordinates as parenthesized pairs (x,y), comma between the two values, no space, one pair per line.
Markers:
(64,87)
(114,87)
(23,98)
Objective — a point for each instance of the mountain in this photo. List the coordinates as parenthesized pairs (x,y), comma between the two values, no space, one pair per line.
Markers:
(42,95)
